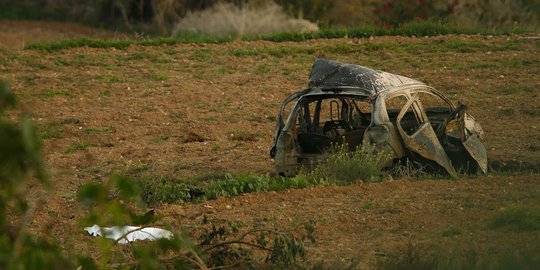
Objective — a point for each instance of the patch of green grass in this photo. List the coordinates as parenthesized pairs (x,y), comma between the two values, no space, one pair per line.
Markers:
(136,169)
(158,76)
(517,217)
(216,147)
(77,146)
(157,190)
(107,129)
(236,185)
(518,63)
(50,93)
(513,90)
(139,56)
(77,43)
(105,93)
(271,118)
(50,131)
(451,231)
(160,139)
(242,52)
(163,190)
(261,69)
(477,65)
(222,71)
(364,164)
(82,60)
(368,205)
(202,55)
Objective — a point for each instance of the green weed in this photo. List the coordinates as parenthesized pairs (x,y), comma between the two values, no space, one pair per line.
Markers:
(157,190)
(216,147)
(482,65)
(271,118)
(77,146)
(517,63)
(368,205)
(158,76)
(49,131)
(160,139)
(362,164)
(50,93)
(136,169)
(163,190)
(107,129)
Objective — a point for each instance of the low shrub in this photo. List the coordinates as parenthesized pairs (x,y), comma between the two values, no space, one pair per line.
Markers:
(225,19)
(365,164)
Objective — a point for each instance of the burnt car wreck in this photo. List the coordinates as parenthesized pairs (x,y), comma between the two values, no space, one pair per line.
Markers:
(356,105)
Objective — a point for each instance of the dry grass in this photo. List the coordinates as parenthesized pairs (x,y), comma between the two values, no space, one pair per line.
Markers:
(228,19)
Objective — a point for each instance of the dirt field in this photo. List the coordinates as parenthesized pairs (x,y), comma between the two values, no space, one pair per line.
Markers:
(176,110)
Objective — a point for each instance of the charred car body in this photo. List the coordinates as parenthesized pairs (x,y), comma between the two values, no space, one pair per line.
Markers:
(356,105)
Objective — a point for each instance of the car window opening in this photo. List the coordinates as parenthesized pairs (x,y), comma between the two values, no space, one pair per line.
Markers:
(337,120)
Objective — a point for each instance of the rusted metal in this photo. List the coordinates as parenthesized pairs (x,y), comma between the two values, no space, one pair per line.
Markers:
(302,136)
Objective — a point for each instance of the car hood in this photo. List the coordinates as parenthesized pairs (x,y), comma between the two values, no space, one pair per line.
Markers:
(330,75)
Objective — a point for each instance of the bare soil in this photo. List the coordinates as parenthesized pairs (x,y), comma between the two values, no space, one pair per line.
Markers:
(179,110)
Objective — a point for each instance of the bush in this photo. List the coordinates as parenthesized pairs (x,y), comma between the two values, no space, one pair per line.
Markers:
(225,19)
(365,163)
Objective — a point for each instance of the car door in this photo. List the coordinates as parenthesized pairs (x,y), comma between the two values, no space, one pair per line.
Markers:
(471,134)
(421,138)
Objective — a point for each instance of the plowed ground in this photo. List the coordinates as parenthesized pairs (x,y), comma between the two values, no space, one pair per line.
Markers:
(192,109)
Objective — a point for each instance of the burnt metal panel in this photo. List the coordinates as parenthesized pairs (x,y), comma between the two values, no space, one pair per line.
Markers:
(327,74)
(477,150)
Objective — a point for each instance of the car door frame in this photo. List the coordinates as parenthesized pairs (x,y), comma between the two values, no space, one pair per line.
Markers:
(424,140)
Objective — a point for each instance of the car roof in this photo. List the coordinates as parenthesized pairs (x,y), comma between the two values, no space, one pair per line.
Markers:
(328,75)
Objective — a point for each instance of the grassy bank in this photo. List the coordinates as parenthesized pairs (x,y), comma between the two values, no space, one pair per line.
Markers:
(424,28)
